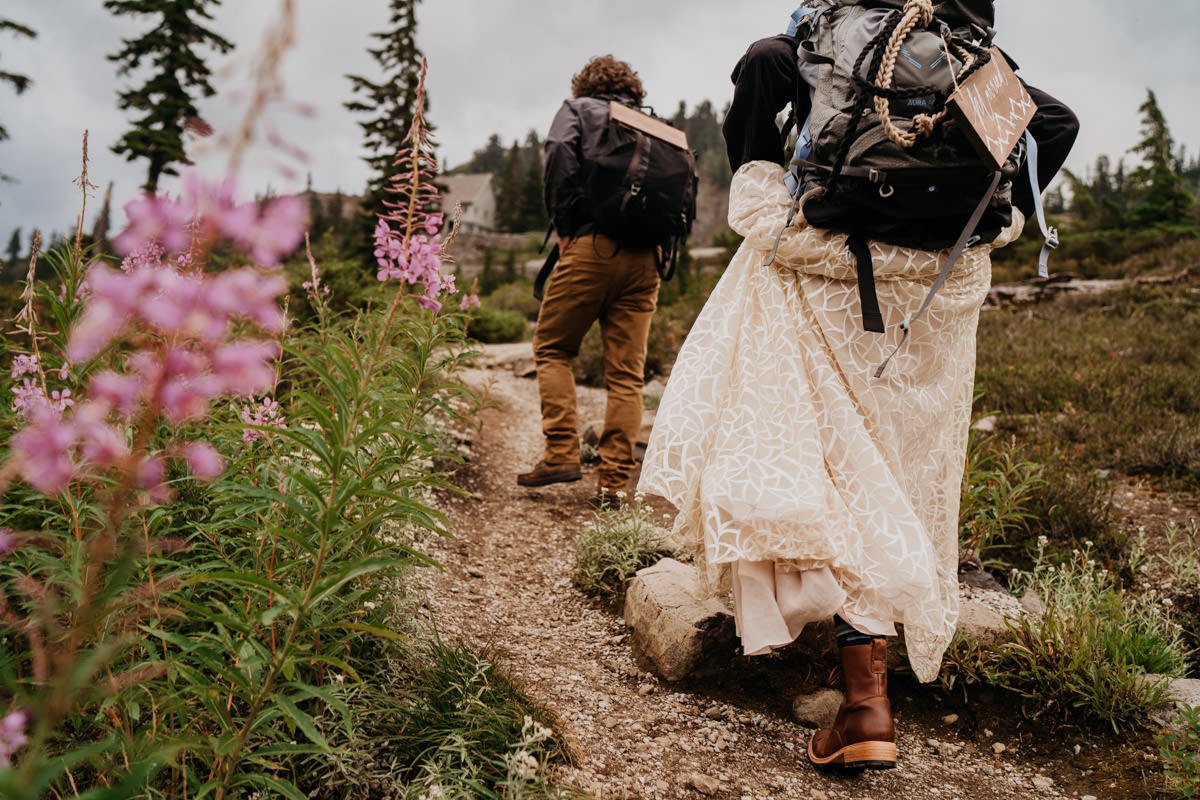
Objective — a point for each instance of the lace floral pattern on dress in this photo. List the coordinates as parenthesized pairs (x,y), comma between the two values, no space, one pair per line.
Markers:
(776,442)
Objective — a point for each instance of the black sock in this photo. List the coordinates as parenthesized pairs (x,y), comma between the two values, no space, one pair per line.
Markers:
(849,636)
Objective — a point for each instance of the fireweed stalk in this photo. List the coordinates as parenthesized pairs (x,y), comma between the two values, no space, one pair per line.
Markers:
(175,338)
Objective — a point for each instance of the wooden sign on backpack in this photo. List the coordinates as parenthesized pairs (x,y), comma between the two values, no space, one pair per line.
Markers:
(994,109)
(632,118)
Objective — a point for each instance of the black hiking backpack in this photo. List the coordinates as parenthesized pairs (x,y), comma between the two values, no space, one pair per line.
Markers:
(856,177)
(640,186)
(879,157)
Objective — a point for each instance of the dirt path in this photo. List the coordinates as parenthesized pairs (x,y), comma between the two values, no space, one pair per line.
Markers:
(507,586)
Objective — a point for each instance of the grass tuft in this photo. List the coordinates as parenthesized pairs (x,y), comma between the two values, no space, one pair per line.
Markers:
(614,546)
(1088,656)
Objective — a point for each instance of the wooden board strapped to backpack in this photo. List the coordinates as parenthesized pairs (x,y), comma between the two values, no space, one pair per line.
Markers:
(994,109)
(632,118)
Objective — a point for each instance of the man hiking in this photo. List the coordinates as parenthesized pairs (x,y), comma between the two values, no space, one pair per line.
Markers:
(599,277)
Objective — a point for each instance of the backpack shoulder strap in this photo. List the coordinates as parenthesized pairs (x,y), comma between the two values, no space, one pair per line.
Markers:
(1048,233)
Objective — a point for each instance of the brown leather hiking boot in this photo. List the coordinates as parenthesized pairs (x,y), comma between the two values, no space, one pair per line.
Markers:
(545,474)
(864,735)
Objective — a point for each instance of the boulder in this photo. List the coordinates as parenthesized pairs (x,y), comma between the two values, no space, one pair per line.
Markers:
(1185,693)
(817,710)
(678,628)
(980,622)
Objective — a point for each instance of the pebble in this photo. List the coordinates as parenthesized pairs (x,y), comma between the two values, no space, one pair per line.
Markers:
(475,572)
(645,690)
(944,749)
(1088,797)
(703,784)
(998,748)
(1042,782)
(817,794)
(950,719)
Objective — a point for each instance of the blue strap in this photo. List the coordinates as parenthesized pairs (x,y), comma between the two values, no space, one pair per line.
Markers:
(1050,234)
(797,17)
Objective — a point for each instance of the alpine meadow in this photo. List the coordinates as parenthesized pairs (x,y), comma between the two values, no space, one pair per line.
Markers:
(369,436)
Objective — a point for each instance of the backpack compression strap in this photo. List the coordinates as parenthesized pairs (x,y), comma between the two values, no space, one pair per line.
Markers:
(1048,233)
(964,239)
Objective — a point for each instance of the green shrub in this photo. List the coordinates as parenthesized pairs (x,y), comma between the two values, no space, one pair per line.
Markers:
(998,494)
(668,330)
(1087,656)
(494,327)
(614,546)
(517,297)
(1174,567)
(1180,753)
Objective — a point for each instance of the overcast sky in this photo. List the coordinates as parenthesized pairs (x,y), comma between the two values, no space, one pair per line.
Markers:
(505,65)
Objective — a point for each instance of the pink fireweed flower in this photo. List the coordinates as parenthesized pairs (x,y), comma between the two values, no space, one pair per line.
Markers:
(155,220)
(203,461)
(266,231)
(278,231)
(470,302)
(24,365)
(170,303)
(264,415)
(43,453)
(12,736)
(148,255)
(8,541)
(29,400)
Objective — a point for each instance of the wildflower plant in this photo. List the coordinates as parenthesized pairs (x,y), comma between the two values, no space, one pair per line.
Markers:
(1098,652)
(615,544)
(205,533)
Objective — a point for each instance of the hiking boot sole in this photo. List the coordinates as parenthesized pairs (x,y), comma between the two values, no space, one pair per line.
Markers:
(857,757)
(547,480)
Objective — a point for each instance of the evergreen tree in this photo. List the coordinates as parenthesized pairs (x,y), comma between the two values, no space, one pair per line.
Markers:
(19,83)
(508,191)
(490,158)
(531,206)
(391,100)
(13,252)
(103,222)
(179,76)
(1157,193)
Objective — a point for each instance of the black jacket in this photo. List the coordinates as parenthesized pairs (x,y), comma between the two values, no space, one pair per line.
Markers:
(574,137)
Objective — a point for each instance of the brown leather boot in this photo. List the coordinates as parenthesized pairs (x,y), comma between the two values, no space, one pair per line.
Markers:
(545,474)
(864,735)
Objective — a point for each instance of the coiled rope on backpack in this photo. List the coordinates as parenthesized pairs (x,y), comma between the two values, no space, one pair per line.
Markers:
(916,12)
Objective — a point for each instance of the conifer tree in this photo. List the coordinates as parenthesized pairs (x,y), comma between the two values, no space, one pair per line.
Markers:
(13,252)
(1157,192)
(508,191)
(531,206)
(391,100)
(103,221)
(18,82)
(178,77)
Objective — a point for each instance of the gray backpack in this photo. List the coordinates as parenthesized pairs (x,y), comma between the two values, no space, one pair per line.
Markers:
(881,159)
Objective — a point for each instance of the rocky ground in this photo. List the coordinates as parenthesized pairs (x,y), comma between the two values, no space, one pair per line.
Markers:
(506,586)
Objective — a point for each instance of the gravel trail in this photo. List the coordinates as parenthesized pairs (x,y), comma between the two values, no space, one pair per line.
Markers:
(506,586)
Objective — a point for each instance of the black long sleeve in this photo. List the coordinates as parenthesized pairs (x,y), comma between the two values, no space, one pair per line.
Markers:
(1054,128)
(563,182)
(765,81)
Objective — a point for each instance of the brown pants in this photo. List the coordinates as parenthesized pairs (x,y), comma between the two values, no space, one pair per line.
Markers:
(596,281)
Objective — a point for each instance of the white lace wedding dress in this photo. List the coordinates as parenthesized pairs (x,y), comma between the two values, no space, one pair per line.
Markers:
(803,483)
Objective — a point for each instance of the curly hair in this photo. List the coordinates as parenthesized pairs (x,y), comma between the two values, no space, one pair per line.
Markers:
(605,75)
